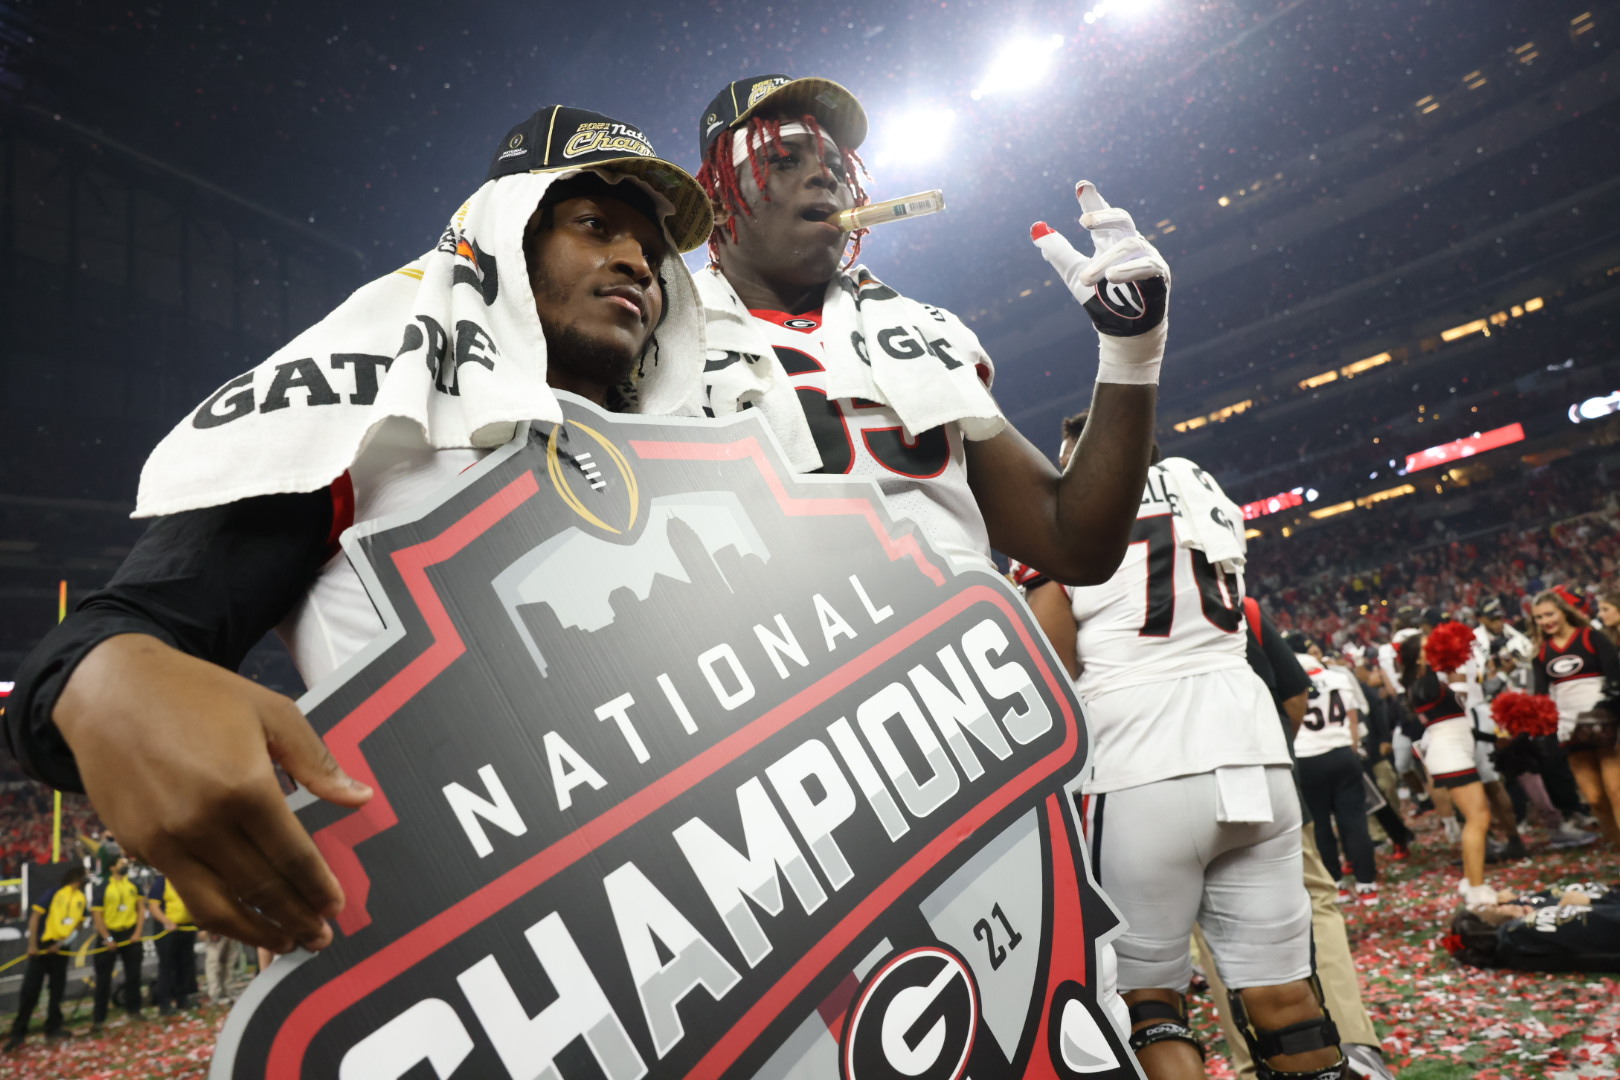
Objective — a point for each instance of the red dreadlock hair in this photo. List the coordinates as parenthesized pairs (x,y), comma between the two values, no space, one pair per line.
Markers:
(719,173)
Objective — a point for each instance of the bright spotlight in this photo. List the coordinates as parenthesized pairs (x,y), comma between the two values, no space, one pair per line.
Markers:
(917,135)
(1019,65)
(1104,8)
(1595,408)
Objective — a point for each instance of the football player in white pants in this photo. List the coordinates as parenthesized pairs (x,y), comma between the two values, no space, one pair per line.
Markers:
(1191,810)
(1326,747)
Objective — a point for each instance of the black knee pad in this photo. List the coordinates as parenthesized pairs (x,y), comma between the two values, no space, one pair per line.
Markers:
(1300,1038)
(1169,1024)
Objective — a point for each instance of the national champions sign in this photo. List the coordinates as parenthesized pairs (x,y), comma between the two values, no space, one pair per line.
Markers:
(687,766)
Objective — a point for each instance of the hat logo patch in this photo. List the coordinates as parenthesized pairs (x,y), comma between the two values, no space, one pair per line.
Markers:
(760,89)
(601,138)
(515,141)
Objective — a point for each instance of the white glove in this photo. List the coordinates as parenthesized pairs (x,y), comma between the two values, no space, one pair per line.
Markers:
(1125,287)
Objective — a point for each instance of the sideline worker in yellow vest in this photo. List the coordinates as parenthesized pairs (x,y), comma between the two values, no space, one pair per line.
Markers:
(177,950)
(118,911)
(52,919)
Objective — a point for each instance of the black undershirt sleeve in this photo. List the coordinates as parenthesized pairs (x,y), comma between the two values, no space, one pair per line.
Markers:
(1291,678)
(209,582)
(1608,658)
(1375,725)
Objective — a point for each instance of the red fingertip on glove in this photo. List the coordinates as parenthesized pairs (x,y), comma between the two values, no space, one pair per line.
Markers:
(1040,229)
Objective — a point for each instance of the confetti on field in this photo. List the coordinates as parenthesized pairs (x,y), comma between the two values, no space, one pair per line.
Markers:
(1443,1021)
(1439,1020)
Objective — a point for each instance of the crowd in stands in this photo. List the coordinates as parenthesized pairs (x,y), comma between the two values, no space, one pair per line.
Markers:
(26,822)
(1342,581)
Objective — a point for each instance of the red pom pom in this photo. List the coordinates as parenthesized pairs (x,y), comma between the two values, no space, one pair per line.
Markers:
(1525,714)
(1449,646)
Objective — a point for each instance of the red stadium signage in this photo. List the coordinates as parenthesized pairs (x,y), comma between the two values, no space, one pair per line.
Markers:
(1461,448)
(1287,500)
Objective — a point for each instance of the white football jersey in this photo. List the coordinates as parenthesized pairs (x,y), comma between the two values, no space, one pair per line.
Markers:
(1164,676)
(1358,693)
(924,480)
(336,619)
(1389,662)
(1326,725)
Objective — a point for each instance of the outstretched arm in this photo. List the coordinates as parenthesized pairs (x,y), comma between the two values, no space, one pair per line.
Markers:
(1076,524)
(131,699)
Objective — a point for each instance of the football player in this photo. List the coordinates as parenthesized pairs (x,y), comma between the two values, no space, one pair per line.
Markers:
(134,698)
(779,159)
(1330,771)
(1191,810)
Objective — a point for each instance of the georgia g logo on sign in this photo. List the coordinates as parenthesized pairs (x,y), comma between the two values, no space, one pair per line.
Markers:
(913,1020)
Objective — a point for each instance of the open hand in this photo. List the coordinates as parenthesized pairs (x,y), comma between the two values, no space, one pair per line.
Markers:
(178,757)
(1124,287)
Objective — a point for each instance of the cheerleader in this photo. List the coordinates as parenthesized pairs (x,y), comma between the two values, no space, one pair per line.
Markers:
(1577,666)
(1609,613)
(1447,746)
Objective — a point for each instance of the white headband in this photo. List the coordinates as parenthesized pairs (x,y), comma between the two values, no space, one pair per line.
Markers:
(739,147)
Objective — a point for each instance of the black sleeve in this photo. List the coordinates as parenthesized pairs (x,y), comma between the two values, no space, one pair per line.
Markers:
(1376,722)
(210,582)
(1256,656)
(1539,683)
(1608,658)
(1291,678)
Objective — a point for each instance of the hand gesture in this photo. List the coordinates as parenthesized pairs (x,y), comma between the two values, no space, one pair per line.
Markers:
(1124,287)
(178,756)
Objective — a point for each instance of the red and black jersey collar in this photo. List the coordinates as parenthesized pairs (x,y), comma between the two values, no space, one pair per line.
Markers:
(806,323)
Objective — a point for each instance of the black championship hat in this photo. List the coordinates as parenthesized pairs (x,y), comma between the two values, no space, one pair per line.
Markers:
(558,137)
(833,106)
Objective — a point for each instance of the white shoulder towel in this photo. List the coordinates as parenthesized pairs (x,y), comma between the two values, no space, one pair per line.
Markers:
(921,361)
(1212,522)
(450,342)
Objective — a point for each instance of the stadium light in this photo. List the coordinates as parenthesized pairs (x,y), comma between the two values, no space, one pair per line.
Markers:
(1105,8)
(1595,408)
(917,135)
(1019,65)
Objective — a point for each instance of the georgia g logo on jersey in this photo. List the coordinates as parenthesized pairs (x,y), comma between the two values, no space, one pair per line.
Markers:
(1565,666)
